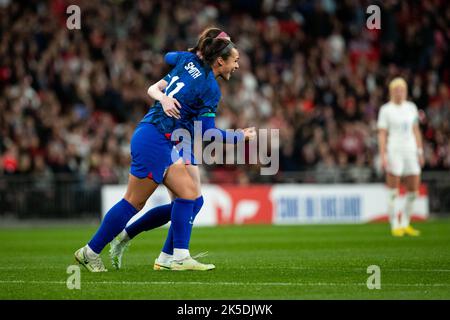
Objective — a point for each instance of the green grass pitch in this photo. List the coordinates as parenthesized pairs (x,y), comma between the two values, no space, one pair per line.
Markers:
(253,262)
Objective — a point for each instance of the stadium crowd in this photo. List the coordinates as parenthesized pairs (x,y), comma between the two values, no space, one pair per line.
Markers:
(70,99)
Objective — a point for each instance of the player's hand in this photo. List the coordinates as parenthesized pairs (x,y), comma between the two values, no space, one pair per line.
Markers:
(171,107)
(249,133)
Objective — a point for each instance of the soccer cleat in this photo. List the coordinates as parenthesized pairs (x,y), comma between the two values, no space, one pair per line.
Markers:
(410,231)
(93,265)
(190,264)
(398,232)
(161,265)
(116,252)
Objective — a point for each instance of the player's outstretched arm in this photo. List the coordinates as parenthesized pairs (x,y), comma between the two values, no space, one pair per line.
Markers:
(170,105)
(156,90)
(228,137)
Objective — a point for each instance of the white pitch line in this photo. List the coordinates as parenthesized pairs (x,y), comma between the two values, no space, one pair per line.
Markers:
(275,284)
(263,268)
(343,269)
(420,270)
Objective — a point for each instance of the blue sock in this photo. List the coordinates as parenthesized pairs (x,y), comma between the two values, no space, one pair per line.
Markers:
(152,219)
(114,222)
(168,245)
(181,215)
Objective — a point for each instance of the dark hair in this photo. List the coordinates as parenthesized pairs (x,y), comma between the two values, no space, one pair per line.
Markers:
(213,48)
(207,33)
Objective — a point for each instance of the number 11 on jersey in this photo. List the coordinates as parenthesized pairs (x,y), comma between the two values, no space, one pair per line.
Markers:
(178,87)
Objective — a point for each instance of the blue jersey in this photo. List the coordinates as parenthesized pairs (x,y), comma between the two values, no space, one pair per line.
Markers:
(194,86)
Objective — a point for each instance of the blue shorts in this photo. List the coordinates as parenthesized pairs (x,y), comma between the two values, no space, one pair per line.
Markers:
(151,153)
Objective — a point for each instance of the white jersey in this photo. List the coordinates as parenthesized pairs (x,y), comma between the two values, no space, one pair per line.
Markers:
(399,120)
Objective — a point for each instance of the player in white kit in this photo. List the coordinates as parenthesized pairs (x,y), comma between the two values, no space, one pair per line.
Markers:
(400,147)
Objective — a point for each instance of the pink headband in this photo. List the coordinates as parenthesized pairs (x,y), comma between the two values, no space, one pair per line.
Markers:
(223,35)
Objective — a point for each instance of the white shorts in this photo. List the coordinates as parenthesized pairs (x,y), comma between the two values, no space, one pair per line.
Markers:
(403,163)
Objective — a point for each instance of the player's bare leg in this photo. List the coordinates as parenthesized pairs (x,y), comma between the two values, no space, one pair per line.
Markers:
(194,173)
(139,190)
(393,183)
(412,186)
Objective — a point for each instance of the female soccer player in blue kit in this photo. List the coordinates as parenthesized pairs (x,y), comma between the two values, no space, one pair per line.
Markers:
(159,216)
(151,150)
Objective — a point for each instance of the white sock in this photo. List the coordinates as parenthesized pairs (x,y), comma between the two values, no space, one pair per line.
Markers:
(392,195)
(90,253)
(123,236)
(165,258)
(180,254)
(406,215)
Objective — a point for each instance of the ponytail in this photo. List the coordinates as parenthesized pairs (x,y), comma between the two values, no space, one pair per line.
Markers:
(211,32)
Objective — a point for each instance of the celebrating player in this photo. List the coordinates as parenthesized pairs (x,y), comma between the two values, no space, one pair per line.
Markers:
(400,147)
(159,216)
(151,150)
